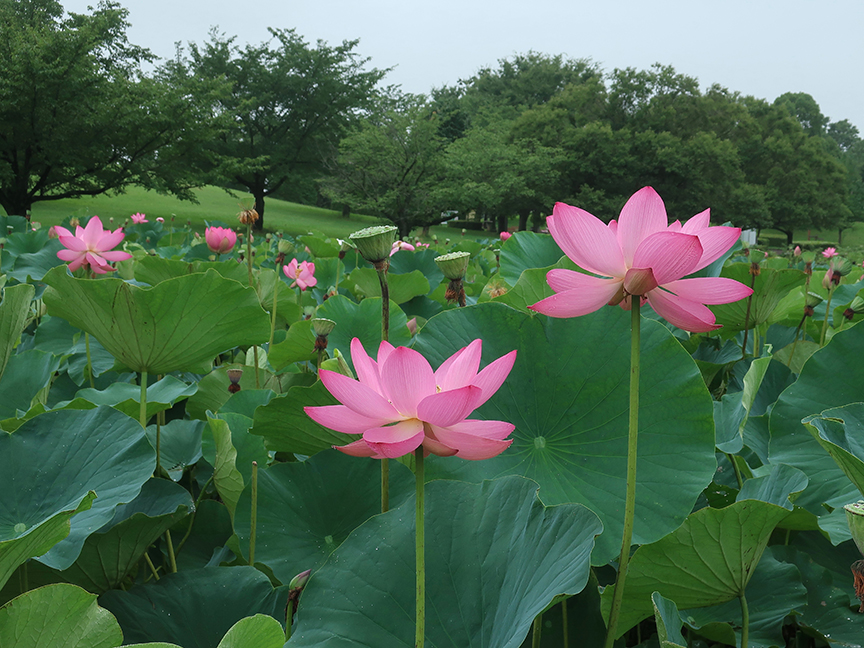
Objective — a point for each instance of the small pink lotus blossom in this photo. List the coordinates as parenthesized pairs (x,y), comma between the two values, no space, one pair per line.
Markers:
(302,273)
(829,252)
(159,219)
(139,218)
(412,326)
(401,245)
(640,254)
(505,235)
(398,403)
(797,251)
(91,246)
(220,240)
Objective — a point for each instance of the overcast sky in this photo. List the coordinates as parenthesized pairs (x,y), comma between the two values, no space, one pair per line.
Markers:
(757,47)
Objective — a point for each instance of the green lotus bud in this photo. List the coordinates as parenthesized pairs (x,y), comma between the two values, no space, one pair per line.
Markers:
(300,580)
(284,246)
(454,264)
(374,243)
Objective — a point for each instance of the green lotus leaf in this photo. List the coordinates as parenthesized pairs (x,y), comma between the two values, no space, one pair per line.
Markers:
(213,391)
(568,396)
(840,431)
(37,538)
(113,551)
(14,312)
(707,561)
(298,346)
(495,558)
(34,255)
(423,260)
(175,325)
(306,509)
(364,282)
(179,445)
(154,269)
(126,397)
(58,616)
(668,622)
(25,380)
(527,250)
(210,530)
(66,454)
(287,309)
(777,487)
(774,592)
(816,390)
(194,608)
(259,631)
(249,448)
(769,288)
(226,477)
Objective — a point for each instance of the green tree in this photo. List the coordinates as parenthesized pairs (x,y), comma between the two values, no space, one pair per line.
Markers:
(388,165)
(77,115)
(288,104)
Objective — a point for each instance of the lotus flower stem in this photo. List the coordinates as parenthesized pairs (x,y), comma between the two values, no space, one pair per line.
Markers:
(89,363)
(537,631)
(737,470)
(251,285)
(630,500)
(273,314)
(420,538)
(159,418)
(827,313)
(254,515)
(289,614)
(151,565)
(381,267)
(142,412)
(172,560)
(747,318)
(564,628)
(745,620)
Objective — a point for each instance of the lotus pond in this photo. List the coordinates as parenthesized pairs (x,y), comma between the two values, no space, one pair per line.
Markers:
(164,485)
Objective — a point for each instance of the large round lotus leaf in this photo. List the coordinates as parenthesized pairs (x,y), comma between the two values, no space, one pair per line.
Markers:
(194,608)
(175,325)
(840,431)
(706,561)
(362,321)
(57,616)
(423,260)
(259,631)
(111,553)
(126,397)
(668,622)
(52,461)
(495,558)
(774,591)
(525,250)
(568,397)
(364,282)
(14,310)
(832,377)
(155,269)
(26,375)
(306,509)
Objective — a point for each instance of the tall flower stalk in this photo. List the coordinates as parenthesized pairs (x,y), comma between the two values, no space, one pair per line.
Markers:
(248,217)
(375,245)
(638,259)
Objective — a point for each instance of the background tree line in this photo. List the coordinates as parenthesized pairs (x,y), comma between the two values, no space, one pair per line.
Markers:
(313,124)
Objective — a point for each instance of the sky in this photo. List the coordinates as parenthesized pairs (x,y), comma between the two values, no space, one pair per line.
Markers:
(762,48)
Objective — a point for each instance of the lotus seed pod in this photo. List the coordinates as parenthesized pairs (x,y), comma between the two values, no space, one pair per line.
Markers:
(855,519)
(374,243)
(322,326)
(454,264)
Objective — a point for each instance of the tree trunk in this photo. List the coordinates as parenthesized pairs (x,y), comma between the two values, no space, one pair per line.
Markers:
(425,232)
(839,237)
(523,219)
(259,207)
(17,206)
(502,222)
(346,211)
(789,235)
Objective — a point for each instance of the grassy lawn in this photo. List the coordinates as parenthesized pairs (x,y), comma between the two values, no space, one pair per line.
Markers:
(213,205)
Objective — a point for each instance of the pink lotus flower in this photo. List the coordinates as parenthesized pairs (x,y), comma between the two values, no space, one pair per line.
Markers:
(829,252)
(399,404)
(220,240)
(505,235)
(303,274)
(400,245)
(139,218)
(640,255)
(91,246)
(159,219)
(797,251)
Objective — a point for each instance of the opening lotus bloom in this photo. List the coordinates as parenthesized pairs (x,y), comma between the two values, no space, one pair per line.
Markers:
(139,218)
(829,252)
(401,245)
(91,246)
(220,240)
(399,404)
(302,273)
(640,254)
